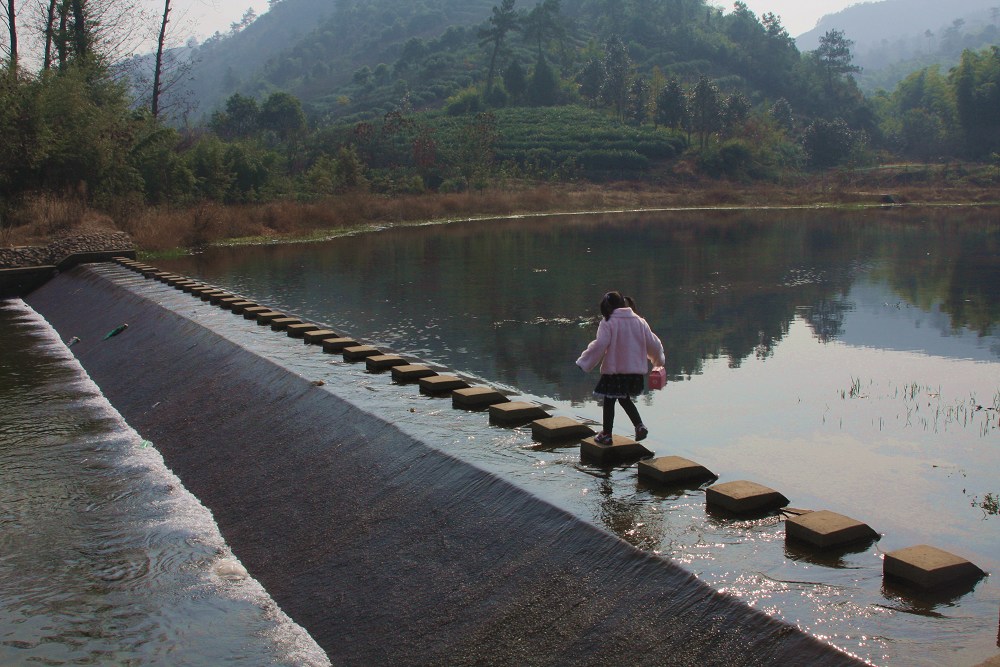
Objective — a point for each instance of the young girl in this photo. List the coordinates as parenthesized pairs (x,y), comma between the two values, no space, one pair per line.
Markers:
(624,342)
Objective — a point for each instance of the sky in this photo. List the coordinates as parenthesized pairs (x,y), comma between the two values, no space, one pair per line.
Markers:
(798,16)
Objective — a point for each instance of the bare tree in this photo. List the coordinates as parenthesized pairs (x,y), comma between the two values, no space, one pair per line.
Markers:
(10,17)
(157,72)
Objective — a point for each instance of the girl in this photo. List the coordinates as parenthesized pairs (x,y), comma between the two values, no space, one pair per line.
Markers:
(624,342)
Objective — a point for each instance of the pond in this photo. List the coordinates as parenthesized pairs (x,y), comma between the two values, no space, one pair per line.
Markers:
(849,360)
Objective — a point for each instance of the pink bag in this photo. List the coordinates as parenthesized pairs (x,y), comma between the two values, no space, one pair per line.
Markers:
(658,378)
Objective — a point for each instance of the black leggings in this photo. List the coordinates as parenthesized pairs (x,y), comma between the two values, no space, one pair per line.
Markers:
(609,412)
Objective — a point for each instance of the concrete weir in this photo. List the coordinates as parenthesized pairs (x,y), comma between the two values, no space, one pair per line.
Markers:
(385,549)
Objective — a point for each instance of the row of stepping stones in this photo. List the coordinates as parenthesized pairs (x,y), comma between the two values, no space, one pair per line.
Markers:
(923,566)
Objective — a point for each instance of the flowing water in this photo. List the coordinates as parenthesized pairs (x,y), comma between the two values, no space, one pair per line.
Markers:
(105,558)
(850,361)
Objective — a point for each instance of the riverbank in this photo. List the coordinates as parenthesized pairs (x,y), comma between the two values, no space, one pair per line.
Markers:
(162,230)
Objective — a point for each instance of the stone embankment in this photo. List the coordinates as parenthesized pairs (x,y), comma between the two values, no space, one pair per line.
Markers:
(53,253)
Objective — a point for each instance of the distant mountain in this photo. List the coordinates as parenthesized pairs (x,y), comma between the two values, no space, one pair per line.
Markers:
(894,38)
(221,62)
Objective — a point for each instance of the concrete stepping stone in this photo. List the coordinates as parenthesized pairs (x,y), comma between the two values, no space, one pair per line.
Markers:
(189,285)
(215,299)
(516,412)
(316,336)
(266,317)
(827,530)
(229,301)
(299,330)
(249,311)
(337,344)
(208,295)
(743,497)
(411,372)
(282,323)
(928,567)
(674,470)
(476,398)
(620,450)
(360,352)
(381,362)
(551,429)
(440,384)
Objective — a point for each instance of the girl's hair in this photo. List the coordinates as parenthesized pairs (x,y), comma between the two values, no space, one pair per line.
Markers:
(611,302)
(630,302)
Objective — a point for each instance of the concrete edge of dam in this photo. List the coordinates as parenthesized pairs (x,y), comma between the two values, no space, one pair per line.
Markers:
(386,550)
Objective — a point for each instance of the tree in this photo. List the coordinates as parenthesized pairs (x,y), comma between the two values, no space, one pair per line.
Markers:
(10,17)
(515,81)
(543,85)
(735,111)
(617,74)
(705,109)
(671,105)
(976,81)
(503,21)
(282,114)
(590,79)
(781,112)
(828,143)
(638,100)
(158,67)
(240,119)
(834,54)
(542,24)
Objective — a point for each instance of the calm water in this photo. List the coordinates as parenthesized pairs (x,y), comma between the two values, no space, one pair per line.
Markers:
(105,558)
(850,361)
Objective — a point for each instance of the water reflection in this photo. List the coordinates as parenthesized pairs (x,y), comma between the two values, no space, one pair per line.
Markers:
(849,360)
(504,296)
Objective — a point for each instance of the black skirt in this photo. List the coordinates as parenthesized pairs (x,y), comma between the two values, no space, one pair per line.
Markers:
(620,385)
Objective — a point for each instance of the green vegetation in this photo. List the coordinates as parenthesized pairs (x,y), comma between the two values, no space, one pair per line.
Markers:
(396,98)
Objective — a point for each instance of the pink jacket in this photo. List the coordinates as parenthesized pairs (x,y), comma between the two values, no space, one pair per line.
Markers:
(625,342)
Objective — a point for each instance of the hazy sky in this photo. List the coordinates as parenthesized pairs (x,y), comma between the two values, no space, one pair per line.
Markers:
(798,16)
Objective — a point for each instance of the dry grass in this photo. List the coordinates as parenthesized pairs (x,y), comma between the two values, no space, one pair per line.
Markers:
(164,229)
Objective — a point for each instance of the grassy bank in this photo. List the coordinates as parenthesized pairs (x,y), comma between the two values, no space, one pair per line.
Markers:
(165,230)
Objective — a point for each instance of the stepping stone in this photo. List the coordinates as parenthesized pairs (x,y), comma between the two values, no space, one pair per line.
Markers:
(472,398)
(673,470)
(249,312)
(360,352)
(241,308)
(208,294)
(929,567)
(228,302)
(188,285)
(282,323)
(299,330)
(411,372)
(742,497)
(621,449)
(335,344)
(215,299)
(827,530)
(316,336)
(440,384)
(381,362)
(268,316)
(551,429)
(516,412)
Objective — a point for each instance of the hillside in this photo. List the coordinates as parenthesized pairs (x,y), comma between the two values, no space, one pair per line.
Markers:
(366,58)
(893,38)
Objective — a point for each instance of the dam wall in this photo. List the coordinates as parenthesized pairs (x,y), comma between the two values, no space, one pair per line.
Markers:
(385,549)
